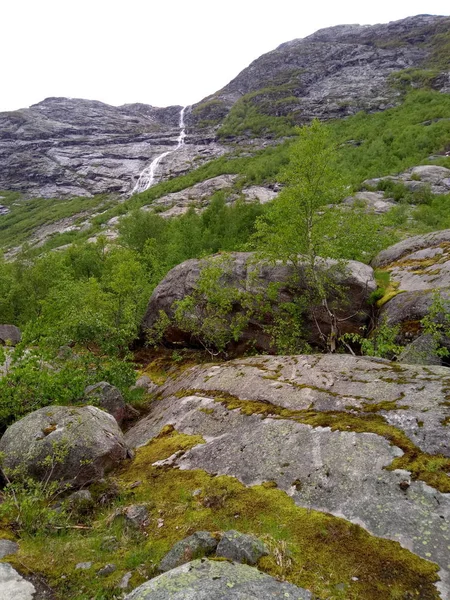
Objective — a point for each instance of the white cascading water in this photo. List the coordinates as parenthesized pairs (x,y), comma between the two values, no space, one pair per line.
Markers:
(147,177)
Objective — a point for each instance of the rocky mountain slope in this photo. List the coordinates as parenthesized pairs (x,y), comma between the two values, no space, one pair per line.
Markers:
(68,147)
(334,72)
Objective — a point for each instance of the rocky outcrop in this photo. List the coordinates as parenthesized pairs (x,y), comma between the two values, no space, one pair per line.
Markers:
(337,433)
(333,73)
(73,445)
(10,334)
(419,268)
(429,178)
(244,273)
(212,580)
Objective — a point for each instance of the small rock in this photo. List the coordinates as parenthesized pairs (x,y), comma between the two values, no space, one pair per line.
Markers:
(125,581)
(136,515)
(10,334)
(106,570)
(7,547)
(197,545)
(109,543)
(80,499)
(241,547)
(83,565)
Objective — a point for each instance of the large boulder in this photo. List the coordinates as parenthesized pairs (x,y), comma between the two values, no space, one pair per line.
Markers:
(419,268)
(10,334)
(358,438)
(213,580)
(72,445)
(245,273)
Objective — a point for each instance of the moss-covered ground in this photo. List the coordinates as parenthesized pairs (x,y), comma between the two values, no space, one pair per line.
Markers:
(328,555)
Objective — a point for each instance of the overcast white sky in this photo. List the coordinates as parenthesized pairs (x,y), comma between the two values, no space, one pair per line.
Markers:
(159,52)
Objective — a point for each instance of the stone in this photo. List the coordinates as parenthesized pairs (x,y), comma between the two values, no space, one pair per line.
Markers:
(80,501)
(247,275)
(106,570)
(8,547)
(197,545)
(145,383)
(136,515)
(241,547)
(108,398)
(125,581)
(10,334)
(13,586)
(83,566)
(342,472)
(72,445)
(213,580)
(422,351)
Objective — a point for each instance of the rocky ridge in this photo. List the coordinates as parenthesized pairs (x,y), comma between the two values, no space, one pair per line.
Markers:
(332,73)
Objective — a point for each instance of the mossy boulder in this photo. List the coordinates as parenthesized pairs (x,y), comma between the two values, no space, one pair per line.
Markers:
(72,445)
(245,273)
(419,269)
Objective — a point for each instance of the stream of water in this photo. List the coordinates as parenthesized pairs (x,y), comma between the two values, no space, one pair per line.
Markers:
(147,176)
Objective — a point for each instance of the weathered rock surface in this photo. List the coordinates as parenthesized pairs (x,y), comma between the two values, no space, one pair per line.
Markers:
(419,266)
(10,334)
(245,274)
(74,445)
(343,471)
(212,580)
(13,586)
(108,398)
(425,177)
(197,195)
(197,545)
(335,72)
(241,547)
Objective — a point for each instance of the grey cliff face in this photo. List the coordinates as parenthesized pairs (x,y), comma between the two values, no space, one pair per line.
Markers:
(65,147)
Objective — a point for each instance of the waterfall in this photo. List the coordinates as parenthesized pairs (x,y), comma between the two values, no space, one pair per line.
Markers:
(147,176)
